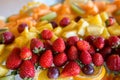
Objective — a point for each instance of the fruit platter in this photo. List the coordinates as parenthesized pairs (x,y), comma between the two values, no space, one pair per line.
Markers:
(71,40)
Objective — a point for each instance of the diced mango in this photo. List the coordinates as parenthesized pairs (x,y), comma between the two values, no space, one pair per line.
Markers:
(81,27)
(3,70)
(105,33)
(104,16)
(71,26)
(53,38)
(41,23)
(2,46)
(57,31)
(69,33)
(94,30)
(46,26)
(114,30)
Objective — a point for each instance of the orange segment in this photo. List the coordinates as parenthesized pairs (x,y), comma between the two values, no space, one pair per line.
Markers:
(98,74)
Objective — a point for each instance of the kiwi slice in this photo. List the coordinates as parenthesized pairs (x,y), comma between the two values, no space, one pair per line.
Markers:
(10,77)
(77,9)
(4,29)
(49,16)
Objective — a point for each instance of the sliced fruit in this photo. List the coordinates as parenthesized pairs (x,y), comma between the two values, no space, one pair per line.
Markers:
(104,16)
(94,30)
(49,16)
(69,33)
(57,31)
(3,71)
(97,75)
(77,9)
(10,77)
(2,46)
(54,38)
(105,33)
(4,29)
(41,23)
(82,24)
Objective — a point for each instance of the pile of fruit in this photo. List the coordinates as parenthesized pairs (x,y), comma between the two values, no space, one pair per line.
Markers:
(62,42)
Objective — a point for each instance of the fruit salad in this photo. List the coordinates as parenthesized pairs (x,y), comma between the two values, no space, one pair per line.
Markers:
(65,41)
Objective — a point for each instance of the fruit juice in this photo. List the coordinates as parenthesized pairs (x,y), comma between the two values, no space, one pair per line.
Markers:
(65,41)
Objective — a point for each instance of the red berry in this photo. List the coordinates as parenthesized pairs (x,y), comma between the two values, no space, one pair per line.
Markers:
(98,59)
(25,53)
(113,62)
(72,53)
(99,42)
(114,41)
(110,21)
(72,40)
(83,45)
(91,50)
(60,59)
(36,45)
(59,45)
(77,18)
(34,58)
(7,37)
(46,59)
(48,44)
(64,22)
(90,39)
(27,70)
(21,27)
(54,24)
(46,34)
(13,61)
(85,57)
(71,69)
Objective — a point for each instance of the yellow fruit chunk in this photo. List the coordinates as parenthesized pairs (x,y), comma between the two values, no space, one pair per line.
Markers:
(81,27)
(46,26)
(2,46)
(94,30)
(98,74)
(33,29)
(3,70)
(69,33)
(71,26)
(57,31)
(105,33)
(114,30)
(42,75)
(53,38)
(104,16)
(41,23)
(95,20)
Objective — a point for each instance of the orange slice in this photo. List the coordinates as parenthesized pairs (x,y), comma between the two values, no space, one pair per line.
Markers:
(98,74)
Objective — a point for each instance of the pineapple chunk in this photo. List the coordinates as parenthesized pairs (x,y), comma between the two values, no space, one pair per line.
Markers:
(71,26)
(53,38)
(2,46)
(105,33)
(57,31)
(96,20)
(41,23)
(114,30)
(46,26)
(82,24)
(94,30)
(3,70)
(69,33)
(33,29)
(104,16)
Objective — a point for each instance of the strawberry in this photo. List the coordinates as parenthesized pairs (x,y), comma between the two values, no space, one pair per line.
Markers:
(90,39)
(113,62)
(60,59)
(83,45)
(7,37)
(34,58)
(47,44)
(27,70)
(72,53)
(98,59)
(46,59)
(25,53)
(59,45)
(71,69)
(114,41)
(85,57)
(99,42)
(72,40)
(46,34)
(91,50)
(13,61)
(36,45)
